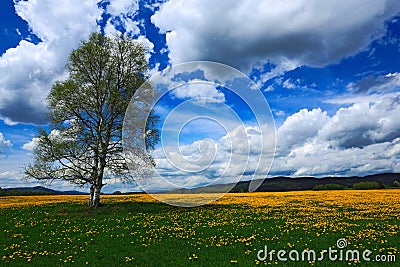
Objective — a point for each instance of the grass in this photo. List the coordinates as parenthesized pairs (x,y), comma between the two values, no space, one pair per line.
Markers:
(139,231)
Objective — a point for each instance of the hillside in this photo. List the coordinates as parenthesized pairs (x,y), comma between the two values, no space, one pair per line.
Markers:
(36,190)
(281,184)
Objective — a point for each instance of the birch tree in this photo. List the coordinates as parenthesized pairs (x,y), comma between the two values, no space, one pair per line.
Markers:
(84,143)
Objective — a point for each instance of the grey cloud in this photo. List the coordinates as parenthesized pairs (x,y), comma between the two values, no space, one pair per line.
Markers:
(247,33)
(363,124)
(371,84)
(20,110)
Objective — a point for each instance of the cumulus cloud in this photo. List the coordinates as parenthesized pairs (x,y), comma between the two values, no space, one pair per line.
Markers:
(31,144)
(123,7)
(199,91)
(29,70)
(319,159)
(287,34)
(5,145)
(364,124)
(300,127)
(361,139)
(121,13)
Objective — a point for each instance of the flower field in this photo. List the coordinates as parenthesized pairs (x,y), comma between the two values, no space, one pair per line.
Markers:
(136,230)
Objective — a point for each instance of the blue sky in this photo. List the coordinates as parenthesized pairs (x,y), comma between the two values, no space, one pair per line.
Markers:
(329,71)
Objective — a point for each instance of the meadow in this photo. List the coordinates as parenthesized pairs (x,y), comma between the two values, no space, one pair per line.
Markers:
(136,230)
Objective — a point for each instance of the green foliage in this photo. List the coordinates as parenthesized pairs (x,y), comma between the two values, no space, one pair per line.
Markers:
(368,185)
(328,187)
(396,184)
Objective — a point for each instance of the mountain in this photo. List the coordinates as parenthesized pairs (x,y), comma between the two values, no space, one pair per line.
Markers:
(36,190)
(281,184)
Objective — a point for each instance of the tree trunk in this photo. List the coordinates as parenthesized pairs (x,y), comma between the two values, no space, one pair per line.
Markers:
(94,198)
(97,182)
(91,197)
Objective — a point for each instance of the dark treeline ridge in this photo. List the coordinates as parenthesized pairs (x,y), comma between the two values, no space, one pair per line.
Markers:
(34,191)
(282,184)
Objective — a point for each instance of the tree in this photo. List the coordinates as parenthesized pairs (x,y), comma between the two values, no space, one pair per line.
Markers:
(86,112)
(368,185)
(328,187)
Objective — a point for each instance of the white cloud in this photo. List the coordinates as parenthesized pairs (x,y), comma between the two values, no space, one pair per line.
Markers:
(29,70)
(12,179)
(270,87)
(351,99)
(288,84)
(31,144)
(147,44)
(123,20)
(123,7)
(5,145)
(288,34)
(279,113)
(300,127)
(199,91)
(121,12)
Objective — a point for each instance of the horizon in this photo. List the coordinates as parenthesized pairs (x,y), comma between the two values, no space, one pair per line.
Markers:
(165,191)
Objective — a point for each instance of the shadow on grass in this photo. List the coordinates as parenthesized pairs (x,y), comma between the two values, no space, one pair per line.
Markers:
(133,207)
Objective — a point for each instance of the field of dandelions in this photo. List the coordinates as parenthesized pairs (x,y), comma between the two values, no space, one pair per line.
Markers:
(137,230)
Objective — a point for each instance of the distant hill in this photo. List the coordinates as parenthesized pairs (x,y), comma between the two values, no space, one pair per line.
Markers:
(281,184)
(36,190)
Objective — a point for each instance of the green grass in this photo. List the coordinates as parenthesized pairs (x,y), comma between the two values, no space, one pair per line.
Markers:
(155,234)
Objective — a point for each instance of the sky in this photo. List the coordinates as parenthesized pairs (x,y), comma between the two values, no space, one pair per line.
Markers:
(329,70)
